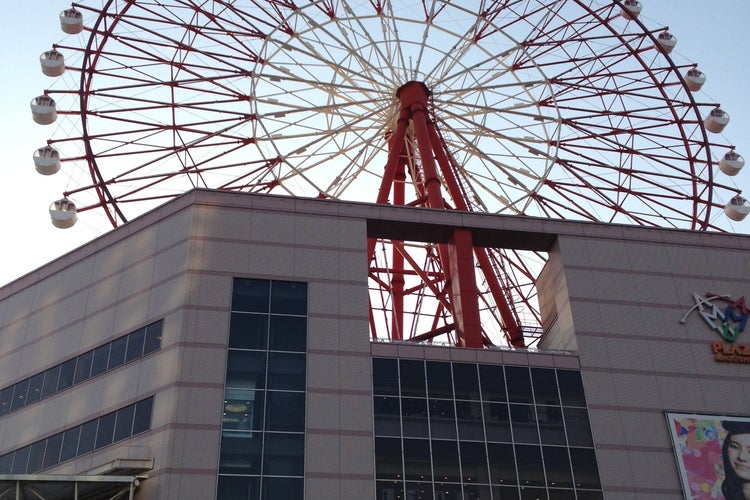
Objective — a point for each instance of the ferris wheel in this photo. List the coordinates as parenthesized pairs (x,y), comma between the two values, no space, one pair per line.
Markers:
(548,108)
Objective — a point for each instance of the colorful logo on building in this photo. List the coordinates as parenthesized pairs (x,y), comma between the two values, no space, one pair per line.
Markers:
(727,317)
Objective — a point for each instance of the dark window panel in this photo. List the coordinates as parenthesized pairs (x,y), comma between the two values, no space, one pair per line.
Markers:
(417,459)
(502,464)
(571,388)
(135,345)
(117,352)
(469,415)
(497,422)
(523,420)
(51,378)
(578,427)
(414,417)
(560,494)
(6,398)
(439,380)
(286,371)
(36,457)
(243,409)
(448,491)
(288,297)
(251,295)
(518,380)
(445,461)
(283,487)
(476,491)
(585,470)
(492,379)
(36,383)
(285,411)
(52,453)
(238,488)
(505,493)
(551,429)
(385,376)
(589,495)
(241,453)
(246,369)
(152,342)
(533,494)
(83,367)
(20,460)
(557,466)
(105,430)
(474,462)
(288,333)
(418,490)
(529,463)
(19,394)
(390,489)
(100,359)
(6,463)
(387,416)
(466,381)
(544,383)
(248,331)
(283,454)
(70,443)
(87,441)
(67,374)
(142,418)
(442,418)
(388,456)
(412,378)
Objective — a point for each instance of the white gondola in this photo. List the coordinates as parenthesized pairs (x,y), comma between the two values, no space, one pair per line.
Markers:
(666,42)
(53,63)
(63,213)
(737,208)
(71,21)
(716,120)
(732,163)
(43,110)
(631,9)
(695,79)
(47,160)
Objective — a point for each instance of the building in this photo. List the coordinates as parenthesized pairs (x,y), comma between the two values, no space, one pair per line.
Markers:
(133,365)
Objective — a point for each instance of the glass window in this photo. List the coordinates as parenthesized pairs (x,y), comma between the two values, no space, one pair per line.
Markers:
(417,459)
(557,465)
(506,493)
(83,367)
(67,374)
(288,297)
(117,352)
(288,333)
(250,295)
(387,416)
(36,457)
(530,468)
(577,427)
(439,380)
(238,488)
(248,331)
(6,463)
(414,417)
(20,460)
(106,430)
(135,345)
(466,381)
(388,453)
(241,453)
(545,386)
(243,409)
(502,464)
(142,418)
(474,462)
(51,377)
(286,371)
(445,460)
(246,369)
(70,443)
(497,422)
(470,420)
(412,378)
(518,381)
(99,360)
(19,394)
(285,411)
(571,388)
(35,388)
(385,376)
(52,453)
(523,419)
(493,383)
(556,494)
(585,470)
(87,441)
(283,454)
(6,398)
(443,418)
(287,488)
(152,342)
(551,429)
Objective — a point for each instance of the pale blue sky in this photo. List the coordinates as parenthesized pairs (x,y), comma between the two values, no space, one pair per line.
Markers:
(713,34)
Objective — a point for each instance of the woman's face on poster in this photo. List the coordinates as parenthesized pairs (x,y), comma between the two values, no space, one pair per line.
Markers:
(738,452)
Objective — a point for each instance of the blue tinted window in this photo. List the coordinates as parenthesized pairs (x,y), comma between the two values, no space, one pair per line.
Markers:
(250,295)
(288,297)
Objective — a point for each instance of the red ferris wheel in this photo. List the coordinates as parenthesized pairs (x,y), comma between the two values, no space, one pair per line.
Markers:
(559,109)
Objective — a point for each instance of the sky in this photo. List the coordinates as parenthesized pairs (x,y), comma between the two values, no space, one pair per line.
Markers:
(712,34)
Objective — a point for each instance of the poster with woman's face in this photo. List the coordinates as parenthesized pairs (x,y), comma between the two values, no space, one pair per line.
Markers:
(713,455)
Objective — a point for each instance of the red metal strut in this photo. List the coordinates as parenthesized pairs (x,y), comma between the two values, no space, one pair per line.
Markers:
(415,128)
